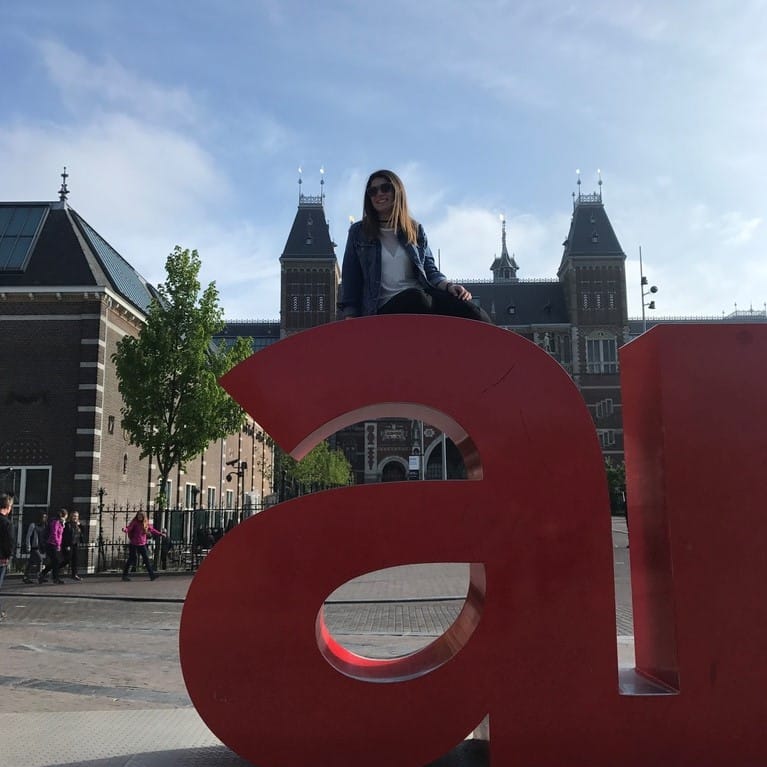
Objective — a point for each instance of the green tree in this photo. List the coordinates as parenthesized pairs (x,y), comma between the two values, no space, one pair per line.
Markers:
(168,375)
(319,469)
(616,483)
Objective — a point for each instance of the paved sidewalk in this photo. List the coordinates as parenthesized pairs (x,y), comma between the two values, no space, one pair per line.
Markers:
(92,667)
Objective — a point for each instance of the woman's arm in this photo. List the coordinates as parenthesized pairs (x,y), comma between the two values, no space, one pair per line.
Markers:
(433,274)
(351,277)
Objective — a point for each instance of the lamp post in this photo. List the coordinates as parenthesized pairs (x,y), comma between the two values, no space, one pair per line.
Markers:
(651,290)
(239,469)
(101,560)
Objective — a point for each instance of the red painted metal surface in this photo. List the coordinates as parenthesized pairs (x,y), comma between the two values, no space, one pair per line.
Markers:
(535,647)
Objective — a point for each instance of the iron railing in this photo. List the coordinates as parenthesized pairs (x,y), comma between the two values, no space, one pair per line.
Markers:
(192,533)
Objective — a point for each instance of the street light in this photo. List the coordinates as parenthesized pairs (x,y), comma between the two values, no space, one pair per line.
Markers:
(651,290)
(239,469)
(101,560)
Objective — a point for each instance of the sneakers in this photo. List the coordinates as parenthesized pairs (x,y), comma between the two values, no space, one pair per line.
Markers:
(154,576)
(27,579)
(126,578)
(59,582)
(76,578)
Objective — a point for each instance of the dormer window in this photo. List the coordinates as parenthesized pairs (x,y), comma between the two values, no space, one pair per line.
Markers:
(511,309)
(594,236)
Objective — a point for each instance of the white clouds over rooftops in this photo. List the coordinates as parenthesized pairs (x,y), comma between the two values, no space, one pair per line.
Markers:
(187,128)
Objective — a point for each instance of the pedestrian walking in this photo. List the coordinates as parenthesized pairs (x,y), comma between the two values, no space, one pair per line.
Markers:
(35,541)
(54,536)
(70,542)
(166,544)
(137,531)
(6,539)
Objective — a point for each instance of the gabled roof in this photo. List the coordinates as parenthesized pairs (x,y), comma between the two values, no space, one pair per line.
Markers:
(309,236)
(66,251)
(124,278)
(534,302)
(591,234)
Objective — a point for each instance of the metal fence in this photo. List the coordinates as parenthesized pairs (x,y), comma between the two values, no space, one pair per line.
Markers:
(191,534)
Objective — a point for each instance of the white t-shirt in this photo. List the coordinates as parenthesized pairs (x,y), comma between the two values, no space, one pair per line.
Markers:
(397,270)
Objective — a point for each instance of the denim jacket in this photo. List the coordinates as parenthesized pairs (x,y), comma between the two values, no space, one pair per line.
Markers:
(361,270)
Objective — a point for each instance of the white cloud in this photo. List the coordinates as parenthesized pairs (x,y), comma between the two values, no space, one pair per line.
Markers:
(85,84)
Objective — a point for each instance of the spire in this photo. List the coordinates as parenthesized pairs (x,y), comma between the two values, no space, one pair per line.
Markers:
(505,268)
(64,191)
(300,181)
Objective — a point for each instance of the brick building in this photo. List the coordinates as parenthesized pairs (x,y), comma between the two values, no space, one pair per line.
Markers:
(66,298)
(579,317)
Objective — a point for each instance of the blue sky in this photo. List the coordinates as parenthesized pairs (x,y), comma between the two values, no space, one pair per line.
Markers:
(185,123)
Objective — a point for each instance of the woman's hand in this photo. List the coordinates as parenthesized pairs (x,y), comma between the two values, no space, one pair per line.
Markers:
(458,291)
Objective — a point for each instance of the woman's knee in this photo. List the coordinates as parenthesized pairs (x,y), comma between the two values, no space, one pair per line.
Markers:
(410,301)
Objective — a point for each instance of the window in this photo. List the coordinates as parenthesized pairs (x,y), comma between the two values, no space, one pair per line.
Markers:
(293,303)
(601,353)
(307,303)
(19,225)
(37,486)
(125,464)
(229,504)
(605,408)
(111,424)
(190,496)
(606,437)
(321,303)
(211,497)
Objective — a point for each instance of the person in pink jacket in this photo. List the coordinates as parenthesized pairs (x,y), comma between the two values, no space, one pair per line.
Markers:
(54,533)
(138,530)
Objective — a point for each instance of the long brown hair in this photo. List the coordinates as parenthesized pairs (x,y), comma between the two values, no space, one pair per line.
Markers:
(401,219)
(144,521)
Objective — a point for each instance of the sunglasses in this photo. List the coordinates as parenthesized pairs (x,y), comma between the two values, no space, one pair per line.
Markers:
(385,188)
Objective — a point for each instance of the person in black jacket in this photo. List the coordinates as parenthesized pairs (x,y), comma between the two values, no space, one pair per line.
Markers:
(35,547)
(6,539)
(70,544)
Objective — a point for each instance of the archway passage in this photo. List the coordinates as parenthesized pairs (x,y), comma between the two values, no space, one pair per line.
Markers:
(393,472)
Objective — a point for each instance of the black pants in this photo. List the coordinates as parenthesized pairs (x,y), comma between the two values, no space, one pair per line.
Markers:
(54,562)
(34,563)
(133,555)
(70,560)
(433,301)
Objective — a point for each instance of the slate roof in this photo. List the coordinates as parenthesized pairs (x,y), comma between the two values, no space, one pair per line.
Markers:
(68,252)
(591,233)
(310,235)
(262,332)
(533,302)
